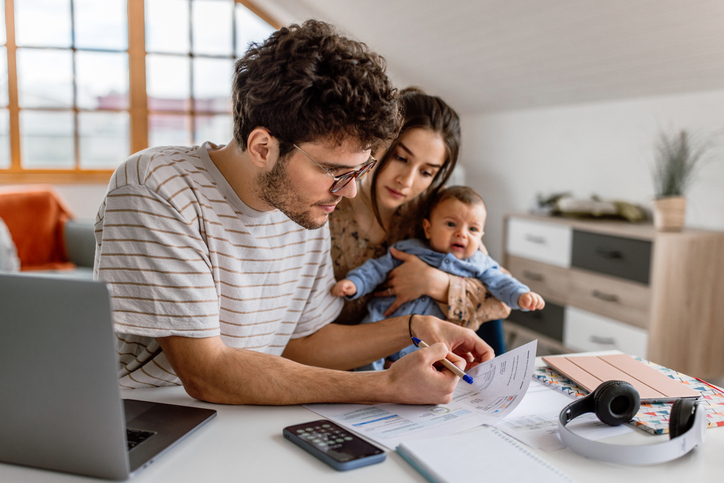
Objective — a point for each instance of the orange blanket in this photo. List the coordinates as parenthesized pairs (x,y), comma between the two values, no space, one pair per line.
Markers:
(35,216)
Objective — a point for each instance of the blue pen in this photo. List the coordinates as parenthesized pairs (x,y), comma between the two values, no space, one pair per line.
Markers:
(455,369)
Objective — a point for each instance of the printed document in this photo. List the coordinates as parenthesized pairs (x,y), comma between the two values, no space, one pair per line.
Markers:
(498,387)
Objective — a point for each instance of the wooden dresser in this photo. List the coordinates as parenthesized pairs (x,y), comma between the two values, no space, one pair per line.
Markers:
(616,285)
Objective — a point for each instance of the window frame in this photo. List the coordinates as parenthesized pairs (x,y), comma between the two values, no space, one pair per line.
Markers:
(137,97)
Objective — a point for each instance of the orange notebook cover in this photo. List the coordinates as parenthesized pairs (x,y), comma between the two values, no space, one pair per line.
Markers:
(590,371)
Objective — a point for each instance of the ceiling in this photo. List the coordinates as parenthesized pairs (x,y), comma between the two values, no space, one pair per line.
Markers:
(494,55)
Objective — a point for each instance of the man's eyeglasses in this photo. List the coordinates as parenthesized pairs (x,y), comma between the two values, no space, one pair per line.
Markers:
(343,179)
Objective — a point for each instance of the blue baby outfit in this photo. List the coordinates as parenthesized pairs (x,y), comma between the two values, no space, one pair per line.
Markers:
(373,272)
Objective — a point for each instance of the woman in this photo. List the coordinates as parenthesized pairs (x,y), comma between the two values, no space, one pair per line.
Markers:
(388,207)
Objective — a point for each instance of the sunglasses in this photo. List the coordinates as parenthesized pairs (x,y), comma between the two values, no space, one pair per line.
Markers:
(343,179)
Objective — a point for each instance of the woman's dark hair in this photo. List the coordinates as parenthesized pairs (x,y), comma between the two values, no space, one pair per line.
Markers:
(308,82)
(421,110)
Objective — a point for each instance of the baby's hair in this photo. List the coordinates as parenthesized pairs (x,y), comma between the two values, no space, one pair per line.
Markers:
(463,194)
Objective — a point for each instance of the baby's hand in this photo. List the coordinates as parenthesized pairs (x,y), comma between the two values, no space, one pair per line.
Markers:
(344,288)
(531,301)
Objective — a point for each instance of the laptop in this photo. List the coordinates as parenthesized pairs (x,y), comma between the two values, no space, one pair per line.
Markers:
(60,402)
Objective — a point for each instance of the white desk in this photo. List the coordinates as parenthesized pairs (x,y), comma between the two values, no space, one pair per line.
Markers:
(245,443)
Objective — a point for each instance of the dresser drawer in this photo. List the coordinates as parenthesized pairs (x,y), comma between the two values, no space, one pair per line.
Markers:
(586,331)
(543,242)
(615,298)
(551,282)
(620,257)
(548,322)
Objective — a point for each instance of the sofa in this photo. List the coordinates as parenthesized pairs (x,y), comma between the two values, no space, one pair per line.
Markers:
(39,234)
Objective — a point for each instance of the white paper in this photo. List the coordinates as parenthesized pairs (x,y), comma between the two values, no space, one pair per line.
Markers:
(535,420)
(482,454)
(498,387)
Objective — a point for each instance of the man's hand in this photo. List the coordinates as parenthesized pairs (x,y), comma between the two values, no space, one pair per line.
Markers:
(415,378)
(531,301)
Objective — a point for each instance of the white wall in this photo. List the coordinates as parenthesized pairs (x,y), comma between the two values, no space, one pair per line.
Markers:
(84,199)
(603,148)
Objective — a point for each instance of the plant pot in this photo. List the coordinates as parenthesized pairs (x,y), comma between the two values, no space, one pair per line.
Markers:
(669,213)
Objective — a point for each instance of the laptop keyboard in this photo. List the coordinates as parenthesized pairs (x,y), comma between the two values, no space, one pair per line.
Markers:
(134,437)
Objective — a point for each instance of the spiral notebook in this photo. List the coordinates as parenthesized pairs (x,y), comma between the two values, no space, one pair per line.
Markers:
(469,456)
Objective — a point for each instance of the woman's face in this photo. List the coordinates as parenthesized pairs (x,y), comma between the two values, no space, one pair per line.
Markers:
(413,164)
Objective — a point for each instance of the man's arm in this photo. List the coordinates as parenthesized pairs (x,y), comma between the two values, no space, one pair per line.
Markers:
(213,372)
(345,347)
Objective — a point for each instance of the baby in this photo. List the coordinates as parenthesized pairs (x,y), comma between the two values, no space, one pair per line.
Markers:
(454,229)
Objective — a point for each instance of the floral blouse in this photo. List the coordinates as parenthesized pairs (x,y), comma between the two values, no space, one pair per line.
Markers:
(469,303)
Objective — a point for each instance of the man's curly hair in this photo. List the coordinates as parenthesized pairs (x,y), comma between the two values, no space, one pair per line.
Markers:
(308,82)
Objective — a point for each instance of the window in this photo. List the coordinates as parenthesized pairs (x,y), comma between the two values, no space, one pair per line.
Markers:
(86,83)
(4,93)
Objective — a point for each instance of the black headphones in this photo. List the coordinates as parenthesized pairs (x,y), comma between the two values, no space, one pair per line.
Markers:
(617,402)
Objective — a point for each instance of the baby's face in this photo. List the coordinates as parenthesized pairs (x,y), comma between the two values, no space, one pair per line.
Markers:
(455,227)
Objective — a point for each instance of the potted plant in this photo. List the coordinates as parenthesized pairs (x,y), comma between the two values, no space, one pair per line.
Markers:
(676,160)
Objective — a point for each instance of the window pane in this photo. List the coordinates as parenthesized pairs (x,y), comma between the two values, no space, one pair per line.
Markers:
(168,83)
(211,24)
(169,130)
(46,139)
(101,24)
(217,129)
(3,77)
(3,35)
(104,139)
(42,23)
(45,78)
(249,28)
(4,139)
(167,26)
(102,80)
(212,84)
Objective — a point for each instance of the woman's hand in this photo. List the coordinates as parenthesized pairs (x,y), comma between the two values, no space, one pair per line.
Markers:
(413,279)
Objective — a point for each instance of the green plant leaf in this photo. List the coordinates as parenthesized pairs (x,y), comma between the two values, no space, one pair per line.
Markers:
(675,163)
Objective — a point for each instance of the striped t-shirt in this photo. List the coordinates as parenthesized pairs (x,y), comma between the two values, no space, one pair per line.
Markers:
(183,255)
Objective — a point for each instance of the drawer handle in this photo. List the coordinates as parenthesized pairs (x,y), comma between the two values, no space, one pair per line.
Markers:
(609,254)
(603,340)
(536,239)
(536,277)
(606,297)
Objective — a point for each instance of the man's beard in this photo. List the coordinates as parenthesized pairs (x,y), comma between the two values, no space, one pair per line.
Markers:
(275,188)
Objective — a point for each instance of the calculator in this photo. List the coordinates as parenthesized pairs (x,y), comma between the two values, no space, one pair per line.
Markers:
(334,445)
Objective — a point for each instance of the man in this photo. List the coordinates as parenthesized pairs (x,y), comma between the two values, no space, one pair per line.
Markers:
(214,254)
